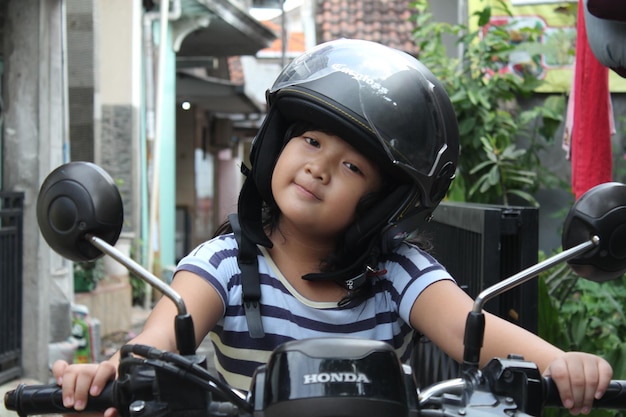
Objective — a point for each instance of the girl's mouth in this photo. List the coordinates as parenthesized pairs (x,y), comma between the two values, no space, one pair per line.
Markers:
(307,192)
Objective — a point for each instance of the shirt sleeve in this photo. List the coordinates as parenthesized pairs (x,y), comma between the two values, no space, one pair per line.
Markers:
(216,262)
(411,271)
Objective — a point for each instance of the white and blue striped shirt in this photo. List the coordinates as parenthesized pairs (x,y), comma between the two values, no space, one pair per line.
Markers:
(287,315)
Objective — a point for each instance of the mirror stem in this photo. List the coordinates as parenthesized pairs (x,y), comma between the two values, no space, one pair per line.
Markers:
(185,334)
(528,273)
(475,324)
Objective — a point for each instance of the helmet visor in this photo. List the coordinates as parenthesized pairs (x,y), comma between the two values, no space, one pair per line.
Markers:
(387,92)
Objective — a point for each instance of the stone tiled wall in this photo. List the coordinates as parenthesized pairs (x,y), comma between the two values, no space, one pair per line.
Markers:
(117,153)
(81,78)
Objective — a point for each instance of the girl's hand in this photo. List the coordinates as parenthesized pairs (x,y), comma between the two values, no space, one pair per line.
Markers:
(80,380)
(580,378)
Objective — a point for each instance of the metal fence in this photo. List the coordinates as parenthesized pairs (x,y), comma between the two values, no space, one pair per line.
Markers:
(11,239)
(480,245)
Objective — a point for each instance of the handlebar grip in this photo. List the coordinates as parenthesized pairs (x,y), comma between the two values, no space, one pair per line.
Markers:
(551,394)
(614,398)
(48,399)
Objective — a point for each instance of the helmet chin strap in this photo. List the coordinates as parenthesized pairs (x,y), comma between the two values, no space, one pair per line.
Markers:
(355,275)
(370,235)
(250,213)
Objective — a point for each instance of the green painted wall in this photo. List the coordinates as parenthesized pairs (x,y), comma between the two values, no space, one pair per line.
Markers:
(167,196)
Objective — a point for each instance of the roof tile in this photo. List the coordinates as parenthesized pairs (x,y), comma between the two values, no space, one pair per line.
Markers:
(383,21)
(295,41)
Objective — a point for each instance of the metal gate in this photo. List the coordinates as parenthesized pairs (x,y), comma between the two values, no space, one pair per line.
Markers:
(11,238)
(481,244)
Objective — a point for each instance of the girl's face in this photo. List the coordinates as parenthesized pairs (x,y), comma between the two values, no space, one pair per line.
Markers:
(318,181)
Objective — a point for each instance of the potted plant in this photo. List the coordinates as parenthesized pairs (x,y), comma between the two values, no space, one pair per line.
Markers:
(87,275)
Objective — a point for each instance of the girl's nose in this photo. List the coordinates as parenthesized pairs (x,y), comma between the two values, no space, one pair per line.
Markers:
(317,169)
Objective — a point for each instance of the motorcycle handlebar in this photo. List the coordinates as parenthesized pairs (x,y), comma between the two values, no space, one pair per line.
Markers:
(614,398)
(48,399)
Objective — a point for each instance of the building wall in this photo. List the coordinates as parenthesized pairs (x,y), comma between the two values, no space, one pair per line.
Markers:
(229,181)
(34,131)
(118,99)
(449,11)
(81,53)
(187,134)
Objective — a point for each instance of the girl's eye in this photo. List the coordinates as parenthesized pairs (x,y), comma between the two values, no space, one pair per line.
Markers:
(311,141)
(352,167)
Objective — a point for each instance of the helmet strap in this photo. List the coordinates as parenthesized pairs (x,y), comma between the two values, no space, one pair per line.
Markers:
(249,209)
(364,238)
(354,276)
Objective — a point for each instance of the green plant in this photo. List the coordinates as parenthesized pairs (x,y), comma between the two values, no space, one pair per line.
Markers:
(576,314)
(502,136)
(138,285)
(501,170)
(87,275)
(591,315)
(493,126)
(138,289)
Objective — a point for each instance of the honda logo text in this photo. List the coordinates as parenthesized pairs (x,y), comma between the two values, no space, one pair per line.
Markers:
(325,377)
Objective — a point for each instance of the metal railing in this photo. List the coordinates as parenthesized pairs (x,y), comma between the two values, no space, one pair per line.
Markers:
(11,244)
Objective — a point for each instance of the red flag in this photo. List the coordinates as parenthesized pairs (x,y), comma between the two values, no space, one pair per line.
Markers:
(591,133)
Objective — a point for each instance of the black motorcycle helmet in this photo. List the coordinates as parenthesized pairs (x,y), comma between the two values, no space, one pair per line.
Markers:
(387,105)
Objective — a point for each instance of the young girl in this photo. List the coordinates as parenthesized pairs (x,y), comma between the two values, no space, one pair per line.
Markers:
(359,146)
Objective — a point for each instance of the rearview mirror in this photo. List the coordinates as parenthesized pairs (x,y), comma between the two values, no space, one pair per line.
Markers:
(601,212)
(76,199)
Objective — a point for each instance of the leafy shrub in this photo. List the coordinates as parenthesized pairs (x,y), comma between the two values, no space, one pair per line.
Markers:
(492,123)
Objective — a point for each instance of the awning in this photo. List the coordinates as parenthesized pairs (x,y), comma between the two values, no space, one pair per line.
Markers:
(231,31)
(213,94)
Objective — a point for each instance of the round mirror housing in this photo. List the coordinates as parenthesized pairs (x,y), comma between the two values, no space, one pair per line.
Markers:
(600,212)
(76,199)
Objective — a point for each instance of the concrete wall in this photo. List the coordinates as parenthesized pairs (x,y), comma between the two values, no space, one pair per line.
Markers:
(34,133)
(118,92)
(229,181)
(81,53)
(188,134)
(116,95)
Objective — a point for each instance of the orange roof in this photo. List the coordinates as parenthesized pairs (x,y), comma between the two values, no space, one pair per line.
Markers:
(383,21)
(295,40)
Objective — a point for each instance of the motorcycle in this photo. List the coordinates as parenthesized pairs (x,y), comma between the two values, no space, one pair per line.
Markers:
(79,211)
